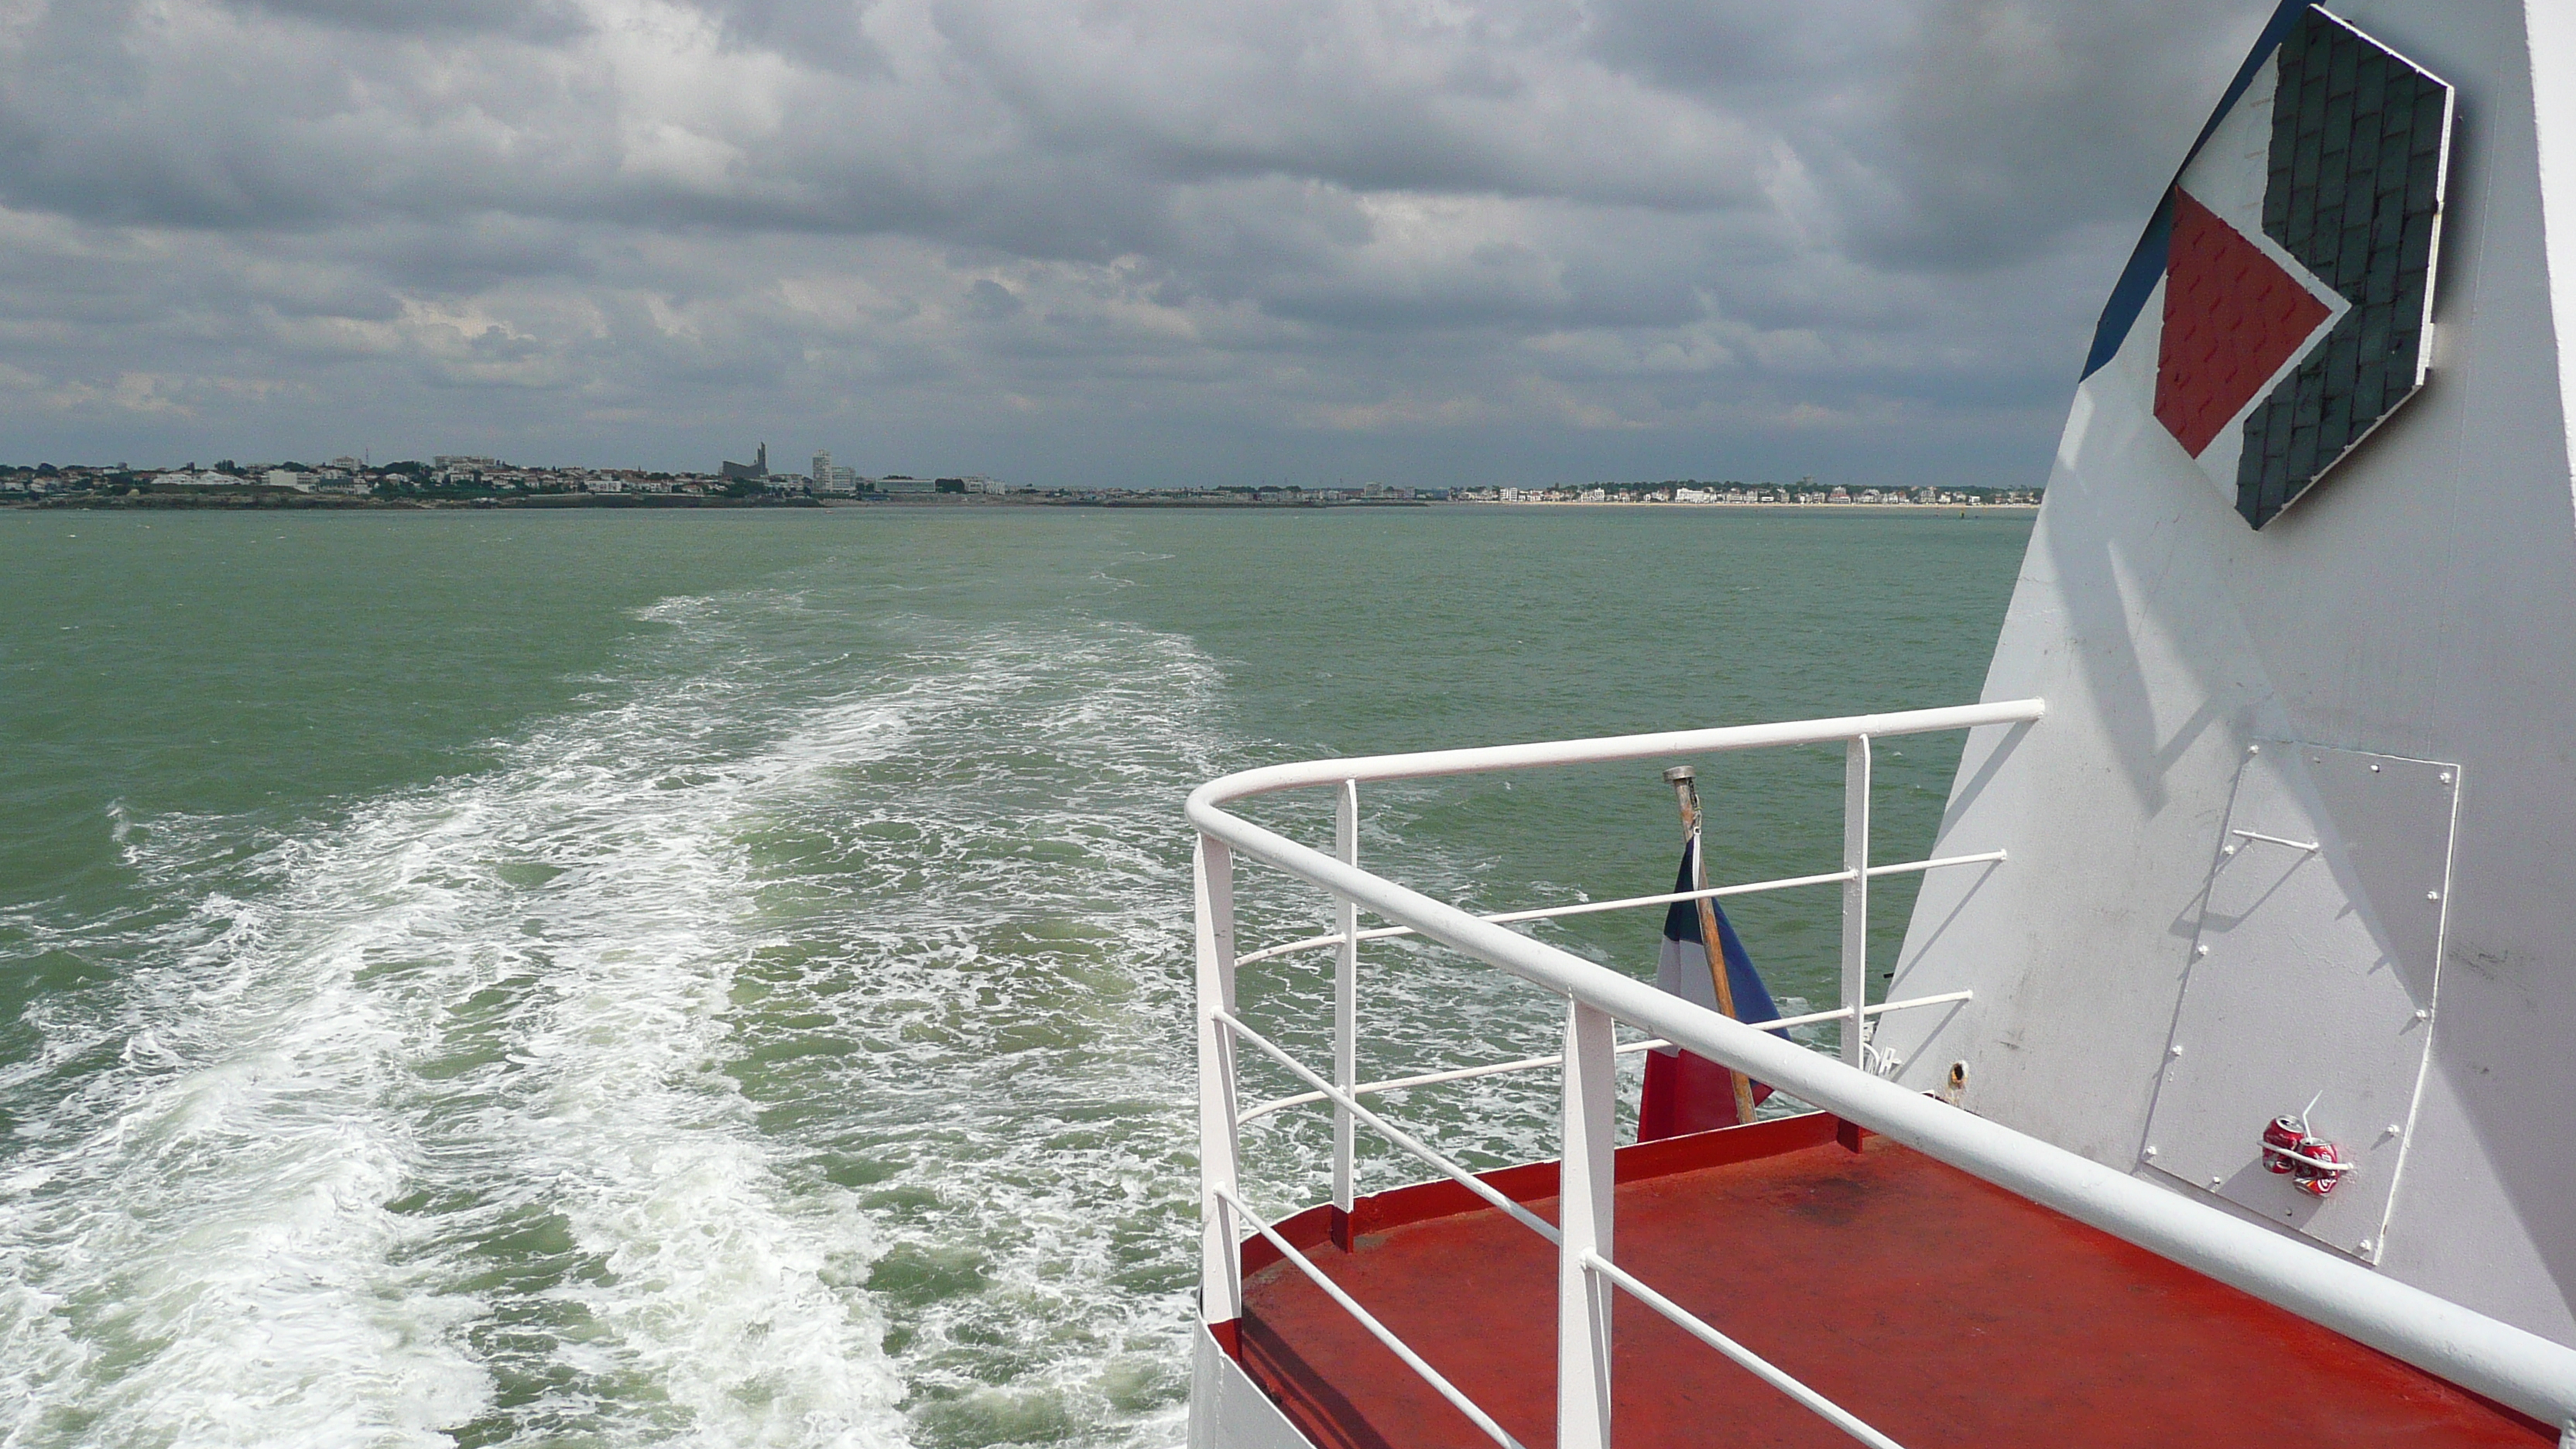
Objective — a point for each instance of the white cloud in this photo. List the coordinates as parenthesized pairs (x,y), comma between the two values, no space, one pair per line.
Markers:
(1076,239)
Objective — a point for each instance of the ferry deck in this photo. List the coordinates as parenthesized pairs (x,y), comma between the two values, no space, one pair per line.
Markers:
(1890,1283)
(2218,1093)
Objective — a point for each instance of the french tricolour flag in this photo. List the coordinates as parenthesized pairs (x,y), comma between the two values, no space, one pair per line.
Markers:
(1685,1093)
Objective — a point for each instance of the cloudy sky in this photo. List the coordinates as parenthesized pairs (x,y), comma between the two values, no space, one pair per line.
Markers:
(1083,241)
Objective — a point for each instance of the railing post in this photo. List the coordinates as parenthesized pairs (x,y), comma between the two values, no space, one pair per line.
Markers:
(1855,896)
(1585,1211)
(1220,1263)
(1346,1005)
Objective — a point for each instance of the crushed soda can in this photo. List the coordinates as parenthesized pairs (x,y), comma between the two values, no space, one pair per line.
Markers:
(2279,1141)
(2311,1178)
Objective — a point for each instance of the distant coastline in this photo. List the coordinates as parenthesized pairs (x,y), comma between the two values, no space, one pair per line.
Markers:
(460,481)
(268,501)
(265,500)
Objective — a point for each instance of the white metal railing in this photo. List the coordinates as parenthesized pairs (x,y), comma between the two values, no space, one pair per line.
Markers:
(1368,1320)
(2507,1364)
(1759,1366)
(1347,1104)
(1586,908)
(1527,1064)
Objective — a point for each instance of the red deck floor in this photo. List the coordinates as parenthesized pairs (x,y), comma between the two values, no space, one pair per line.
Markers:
(1940,1309)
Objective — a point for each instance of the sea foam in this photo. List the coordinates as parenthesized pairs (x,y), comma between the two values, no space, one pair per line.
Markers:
(416,1123)
(785,1045)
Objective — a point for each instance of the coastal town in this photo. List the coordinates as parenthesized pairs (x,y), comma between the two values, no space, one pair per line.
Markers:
(460,480)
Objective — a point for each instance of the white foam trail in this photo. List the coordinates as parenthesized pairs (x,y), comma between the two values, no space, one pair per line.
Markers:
(999,924)
(426,1124)
(225,1215)
(790,995)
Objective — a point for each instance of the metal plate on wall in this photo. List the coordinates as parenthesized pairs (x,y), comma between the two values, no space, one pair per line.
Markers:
(2312,979)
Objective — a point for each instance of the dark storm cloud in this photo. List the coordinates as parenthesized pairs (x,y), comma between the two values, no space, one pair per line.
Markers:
(1414,239)
(551,20)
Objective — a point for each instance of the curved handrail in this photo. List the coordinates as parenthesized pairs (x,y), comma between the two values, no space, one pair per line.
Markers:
(1267,778)
(2507,1364)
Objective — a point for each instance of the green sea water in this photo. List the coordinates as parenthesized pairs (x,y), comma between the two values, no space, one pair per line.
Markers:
(600,978)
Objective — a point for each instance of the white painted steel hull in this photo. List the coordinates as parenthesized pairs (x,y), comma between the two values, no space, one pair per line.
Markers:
(2272,812)
(2421,604)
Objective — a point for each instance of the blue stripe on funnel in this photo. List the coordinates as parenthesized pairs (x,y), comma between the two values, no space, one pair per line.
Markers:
(2147,262)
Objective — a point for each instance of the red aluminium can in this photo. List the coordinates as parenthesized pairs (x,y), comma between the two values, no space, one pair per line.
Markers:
(2279,1139)
(2317,1181)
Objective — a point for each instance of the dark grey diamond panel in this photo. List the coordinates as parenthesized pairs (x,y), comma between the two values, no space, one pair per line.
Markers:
(2355,194)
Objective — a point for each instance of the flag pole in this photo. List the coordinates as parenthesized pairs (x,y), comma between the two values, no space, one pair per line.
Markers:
(1684,781)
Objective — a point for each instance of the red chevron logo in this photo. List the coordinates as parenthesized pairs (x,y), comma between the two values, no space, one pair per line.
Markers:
(2232,317)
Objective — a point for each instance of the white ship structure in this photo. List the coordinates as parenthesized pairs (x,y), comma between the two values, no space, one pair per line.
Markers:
(2222,1092)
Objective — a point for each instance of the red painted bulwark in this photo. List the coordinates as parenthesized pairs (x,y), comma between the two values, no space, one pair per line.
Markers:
(1943,1310)
(2232,317)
